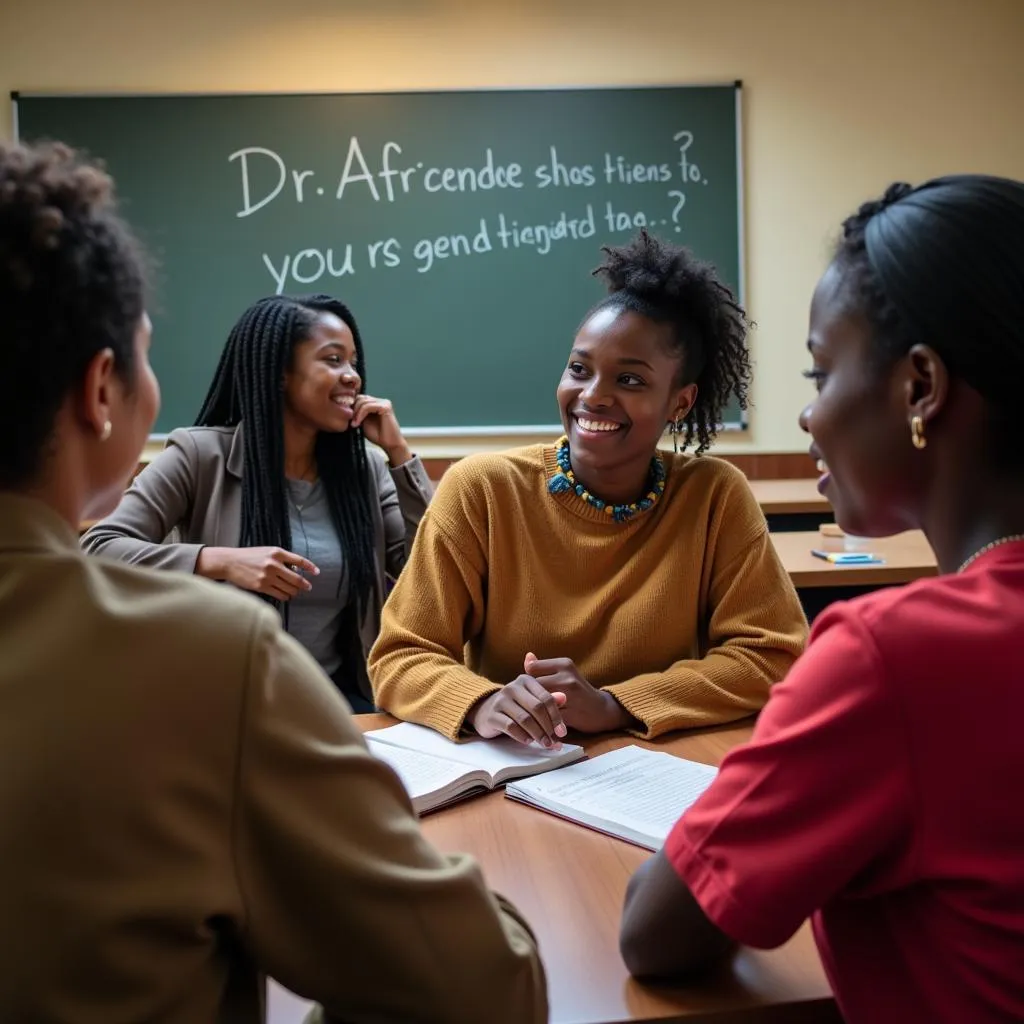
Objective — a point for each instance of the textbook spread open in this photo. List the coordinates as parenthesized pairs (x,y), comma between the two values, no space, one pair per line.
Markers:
(435,771)
(632,793)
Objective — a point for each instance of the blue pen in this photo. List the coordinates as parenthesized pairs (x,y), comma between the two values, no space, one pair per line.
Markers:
(847,557)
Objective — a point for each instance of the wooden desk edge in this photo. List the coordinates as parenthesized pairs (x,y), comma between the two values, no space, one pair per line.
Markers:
(859,576)
(794,507)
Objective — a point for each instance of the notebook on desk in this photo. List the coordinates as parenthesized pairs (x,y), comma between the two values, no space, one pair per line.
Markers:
(631,793)
(436,772)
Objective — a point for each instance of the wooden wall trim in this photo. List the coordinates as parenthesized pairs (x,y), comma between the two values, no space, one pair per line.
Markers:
(761,466)
(756,466)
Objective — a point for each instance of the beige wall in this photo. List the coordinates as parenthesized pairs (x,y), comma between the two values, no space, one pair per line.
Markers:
(841,96)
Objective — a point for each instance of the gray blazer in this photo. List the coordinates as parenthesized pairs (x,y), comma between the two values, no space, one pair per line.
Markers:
(190,497)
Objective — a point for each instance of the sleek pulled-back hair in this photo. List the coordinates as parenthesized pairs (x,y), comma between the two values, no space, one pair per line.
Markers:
(943,265)
(248,389)
(668,285)
(72,283)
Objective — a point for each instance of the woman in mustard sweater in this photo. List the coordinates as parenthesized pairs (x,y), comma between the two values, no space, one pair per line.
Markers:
(597,583)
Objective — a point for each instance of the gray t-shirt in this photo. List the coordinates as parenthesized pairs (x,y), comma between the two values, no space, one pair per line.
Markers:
(314,615)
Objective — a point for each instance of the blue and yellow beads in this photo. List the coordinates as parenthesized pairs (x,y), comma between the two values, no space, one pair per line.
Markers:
(565,480)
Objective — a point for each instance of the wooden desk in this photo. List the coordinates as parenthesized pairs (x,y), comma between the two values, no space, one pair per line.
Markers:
(570,883)
(908,557)
(781,497)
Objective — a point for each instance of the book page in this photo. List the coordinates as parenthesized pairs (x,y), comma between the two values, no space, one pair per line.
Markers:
(633,792)
(492,756)
(421,774)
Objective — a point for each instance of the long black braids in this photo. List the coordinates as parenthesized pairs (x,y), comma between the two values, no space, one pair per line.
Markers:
(248,389)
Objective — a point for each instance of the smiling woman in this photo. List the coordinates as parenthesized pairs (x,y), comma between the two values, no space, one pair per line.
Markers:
(595,583)
(880,793)
(274,489)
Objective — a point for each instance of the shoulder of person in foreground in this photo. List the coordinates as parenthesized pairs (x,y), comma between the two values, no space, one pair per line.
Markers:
(325,842)
(337,818)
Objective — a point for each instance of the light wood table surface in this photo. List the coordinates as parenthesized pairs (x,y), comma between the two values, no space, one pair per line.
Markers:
(789,497)
(908,557)
(570,882)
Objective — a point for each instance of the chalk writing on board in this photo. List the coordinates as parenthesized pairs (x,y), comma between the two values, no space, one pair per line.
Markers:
(689,172)
(621,172)
(662,189)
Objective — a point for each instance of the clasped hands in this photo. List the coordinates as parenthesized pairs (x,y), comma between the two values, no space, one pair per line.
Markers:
(550,697)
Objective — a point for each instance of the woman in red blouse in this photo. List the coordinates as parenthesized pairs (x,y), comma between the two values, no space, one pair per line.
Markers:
(881,791)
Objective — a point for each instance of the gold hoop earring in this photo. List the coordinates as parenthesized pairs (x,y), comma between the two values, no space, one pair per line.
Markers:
(917,432)
(107,431)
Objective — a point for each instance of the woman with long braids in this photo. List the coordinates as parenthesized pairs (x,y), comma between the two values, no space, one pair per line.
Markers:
(597,583)
(275,491)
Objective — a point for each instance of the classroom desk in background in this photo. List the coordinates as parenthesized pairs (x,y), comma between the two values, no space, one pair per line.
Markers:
(792,504)
(570,882)
(907,557)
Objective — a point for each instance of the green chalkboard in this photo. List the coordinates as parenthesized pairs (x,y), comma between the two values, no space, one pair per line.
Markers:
(460,227)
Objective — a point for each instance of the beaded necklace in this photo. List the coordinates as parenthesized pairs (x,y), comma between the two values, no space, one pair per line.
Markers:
(565,480)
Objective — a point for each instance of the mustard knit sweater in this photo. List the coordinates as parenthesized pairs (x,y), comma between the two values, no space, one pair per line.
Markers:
(683,613)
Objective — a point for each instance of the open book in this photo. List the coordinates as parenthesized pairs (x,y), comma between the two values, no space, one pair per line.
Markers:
(435,771)
(632,793)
